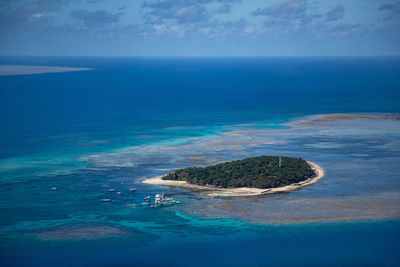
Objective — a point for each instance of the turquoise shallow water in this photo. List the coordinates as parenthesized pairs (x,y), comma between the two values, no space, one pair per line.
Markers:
(87,132)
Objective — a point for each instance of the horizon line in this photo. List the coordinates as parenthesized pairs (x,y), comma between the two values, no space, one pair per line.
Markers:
(185,56)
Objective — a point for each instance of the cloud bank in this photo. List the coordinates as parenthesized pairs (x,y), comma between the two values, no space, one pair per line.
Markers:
(231,22)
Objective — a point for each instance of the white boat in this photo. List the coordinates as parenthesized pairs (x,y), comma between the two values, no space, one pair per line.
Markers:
(162,200)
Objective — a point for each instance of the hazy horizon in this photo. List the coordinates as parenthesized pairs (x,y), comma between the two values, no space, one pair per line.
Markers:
(200,28)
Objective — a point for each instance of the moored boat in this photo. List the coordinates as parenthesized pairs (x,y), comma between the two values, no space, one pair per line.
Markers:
(162,200)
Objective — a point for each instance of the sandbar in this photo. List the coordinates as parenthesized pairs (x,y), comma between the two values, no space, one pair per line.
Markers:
(211,191)
(9,70)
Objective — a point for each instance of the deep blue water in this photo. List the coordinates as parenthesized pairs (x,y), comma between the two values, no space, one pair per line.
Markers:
(361,244)
(48,122)
(145,95)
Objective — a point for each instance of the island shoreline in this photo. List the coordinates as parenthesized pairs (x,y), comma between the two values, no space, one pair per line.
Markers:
(211,191)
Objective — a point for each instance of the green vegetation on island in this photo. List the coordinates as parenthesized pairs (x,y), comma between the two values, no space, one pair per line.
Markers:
(259,172)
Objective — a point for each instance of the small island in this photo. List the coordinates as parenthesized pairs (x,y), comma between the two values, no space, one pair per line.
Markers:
(250,176)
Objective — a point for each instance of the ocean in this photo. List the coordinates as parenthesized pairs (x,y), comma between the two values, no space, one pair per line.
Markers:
(126,119)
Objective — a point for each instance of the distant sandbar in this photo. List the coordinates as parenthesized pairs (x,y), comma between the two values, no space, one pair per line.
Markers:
(8,70)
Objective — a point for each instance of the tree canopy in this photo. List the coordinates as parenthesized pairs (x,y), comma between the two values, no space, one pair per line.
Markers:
(259,172)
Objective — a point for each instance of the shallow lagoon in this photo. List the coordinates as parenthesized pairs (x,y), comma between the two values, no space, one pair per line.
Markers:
(351,211)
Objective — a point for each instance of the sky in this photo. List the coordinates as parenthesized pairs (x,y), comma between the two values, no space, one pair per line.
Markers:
(200,27)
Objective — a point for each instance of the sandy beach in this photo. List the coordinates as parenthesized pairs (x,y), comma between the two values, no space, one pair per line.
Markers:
(211,191)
